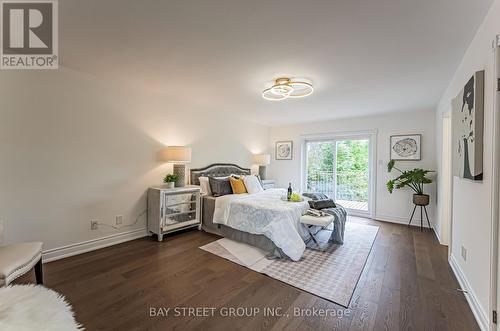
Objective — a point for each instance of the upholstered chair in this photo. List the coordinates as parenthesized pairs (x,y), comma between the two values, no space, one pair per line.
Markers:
(18,259)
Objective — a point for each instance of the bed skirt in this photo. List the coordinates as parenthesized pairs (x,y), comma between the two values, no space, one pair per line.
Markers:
(256,240)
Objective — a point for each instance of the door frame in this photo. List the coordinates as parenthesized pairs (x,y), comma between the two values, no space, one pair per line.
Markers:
(495,196)
(446,193)
(371,135)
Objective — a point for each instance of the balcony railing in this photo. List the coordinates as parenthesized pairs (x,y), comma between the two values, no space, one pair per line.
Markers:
(351,185)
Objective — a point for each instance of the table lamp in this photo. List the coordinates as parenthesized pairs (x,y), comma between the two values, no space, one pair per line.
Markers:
(262,160)
(179,156)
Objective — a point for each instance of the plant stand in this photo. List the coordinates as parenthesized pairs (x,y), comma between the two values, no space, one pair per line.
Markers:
(422,208)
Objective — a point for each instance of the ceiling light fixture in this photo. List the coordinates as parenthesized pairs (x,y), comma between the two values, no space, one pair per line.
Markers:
(285,88)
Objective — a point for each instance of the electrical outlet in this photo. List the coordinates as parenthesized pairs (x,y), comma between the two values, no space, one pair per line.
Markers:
(94,224)
(119,219)
(464,253)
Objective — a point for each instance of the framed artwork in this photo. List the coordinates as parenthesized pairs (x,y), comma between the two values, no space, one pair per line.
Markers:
(406,147)
(468,127)
(284,150)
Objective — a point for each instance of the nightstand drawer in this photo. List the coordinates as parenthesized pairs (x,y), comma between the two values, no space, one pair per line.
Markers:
(172,200)
(178,219)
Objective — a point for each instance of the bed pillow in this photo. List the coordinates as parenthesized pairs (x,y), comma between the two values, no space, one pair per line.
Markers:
(316,196)
(205,186)
(252,184)
(220,186)
(322,204)
(237,185)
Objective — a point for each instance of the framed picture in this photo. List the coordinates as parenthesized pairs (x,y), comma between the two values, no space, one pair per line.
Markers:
(406,147)
(284,150)
(468,128)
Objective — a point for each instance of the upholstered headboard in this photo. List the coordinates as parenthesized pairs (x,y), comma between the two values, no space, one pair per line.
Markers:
(217,170)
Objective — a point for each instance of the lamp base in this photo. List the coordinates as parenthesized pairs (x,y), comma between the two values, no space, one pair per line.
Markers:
(262,172)
(180,171)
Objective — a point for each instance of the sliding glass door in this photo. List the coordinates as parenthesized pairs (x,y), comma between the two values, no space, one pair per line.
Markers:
(340,168)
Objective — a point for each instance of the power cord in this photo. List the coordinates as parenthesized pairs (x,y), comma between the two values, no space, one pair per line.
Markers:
(126,225)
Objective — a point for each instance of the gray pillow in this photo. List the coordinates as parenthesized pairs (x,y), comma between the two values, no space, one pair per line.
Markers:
(322,204)
(220,186)
(316,196)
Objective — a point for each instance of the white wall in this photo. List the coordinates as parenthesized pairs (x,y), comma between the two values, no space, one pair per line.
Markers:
(74,147)
(472,206)
(396,207)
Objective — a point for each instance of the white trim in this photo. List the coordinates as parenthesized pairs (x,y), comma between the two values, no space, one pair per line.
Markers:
(438,237)
(91,245)
(479,313)
(371,135)
(400,220)
(358,213)
(495,188)
(338,135)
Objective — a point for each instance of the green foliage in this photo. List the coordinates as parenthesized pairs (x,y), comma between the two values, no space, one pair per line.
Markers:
(350,157)
(414,179)
(170,178)
(390,165)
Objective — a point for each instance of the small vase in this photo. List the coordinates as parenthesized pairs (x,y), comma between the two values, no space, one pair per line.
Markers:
(170,184)
(421,199)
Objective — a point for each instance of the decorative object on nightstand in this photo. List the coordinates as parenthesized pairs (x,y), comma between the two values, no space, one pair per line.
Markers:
(268,183)
(414,179)
(262,160)
(173,209)
(179,156)
(169,180)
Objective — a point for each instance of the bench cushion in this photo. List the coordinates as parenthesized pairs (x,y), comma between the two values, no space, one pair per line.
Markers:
(319,221)
(17,259)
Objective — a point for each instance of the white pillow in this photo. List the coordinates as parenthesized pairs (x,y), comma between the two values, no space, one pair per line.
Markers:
(252,184)
(205,186)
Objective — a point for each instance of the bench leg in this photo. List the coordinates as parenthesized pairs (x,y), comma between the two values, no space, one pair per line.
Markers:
(39,272)
(315,240)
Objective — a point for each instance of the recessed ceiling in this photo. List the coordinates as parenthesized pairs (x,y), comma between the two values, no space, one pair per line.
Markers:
(363,56)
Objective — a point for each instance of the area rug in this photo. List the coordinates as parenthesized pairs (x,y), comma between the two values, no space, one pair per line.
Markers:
(29,307)
(331,274)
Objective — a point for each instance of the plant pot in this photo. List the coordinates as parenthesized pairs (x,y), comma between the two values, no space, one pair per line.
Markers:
(170,184)
(421,199)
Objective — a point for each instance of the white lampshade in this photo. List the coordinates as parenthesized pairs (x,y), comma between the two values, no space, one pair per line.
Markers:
(262,159)
(178,154)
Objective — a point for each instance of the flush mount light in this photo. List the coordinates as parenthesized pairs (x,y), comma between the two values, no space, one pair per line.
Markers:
(285,88)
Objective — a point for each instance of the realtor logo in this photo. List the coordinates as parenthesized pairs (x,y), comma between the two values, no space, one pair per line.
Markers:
(29,38)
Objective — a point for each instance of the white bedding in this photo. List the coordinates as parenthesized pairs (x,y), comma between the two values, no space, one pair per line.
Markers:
(266,214)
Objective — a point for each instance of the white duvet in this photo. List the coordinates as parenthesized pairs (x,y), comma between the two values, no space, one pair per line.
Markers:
(266,214)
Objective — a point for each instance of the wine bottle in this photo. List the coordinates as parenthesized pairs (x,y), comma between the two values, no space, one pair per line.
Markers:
(289,194)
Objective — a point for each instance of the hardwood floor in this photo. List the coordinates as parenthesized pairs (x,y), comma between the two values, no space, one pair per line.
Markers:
(406,285)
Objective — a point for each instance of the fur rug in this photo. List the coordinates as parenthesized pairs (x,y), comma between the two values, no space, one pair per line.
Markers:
(30,307)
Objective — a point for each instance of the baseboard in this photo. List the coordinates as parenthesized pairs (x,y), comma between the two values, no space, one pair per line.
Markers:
(91,245)
(399,220)
(436,232)
(479,313)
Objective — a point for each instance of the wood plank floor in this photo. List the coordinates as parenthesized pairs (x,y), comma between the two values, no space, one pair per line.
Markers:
(406,285)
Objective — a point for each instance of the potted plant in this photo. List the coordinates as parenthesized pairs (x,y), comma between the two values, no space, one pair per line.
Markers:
(170,179)
(414,179)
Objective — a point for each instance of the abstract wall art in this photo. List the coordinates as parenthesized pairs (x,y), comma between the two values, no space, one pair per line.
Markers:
(284,150)
(406,147)
(468,126)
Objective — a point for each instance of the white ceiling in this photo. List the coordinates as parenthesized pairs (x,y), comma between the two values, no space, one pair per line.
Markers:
(363,56)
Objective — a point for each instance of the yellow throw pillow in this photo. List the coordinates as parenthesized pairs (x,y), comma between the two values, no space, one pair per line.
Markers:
(237,185)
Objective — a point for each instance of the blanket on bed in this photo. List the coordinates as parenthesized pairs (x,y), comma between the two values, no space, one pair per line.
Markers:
(267,214)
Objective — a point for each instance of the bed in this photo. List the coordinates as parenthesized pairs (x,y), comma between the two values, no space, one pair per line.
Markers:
(261,219)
